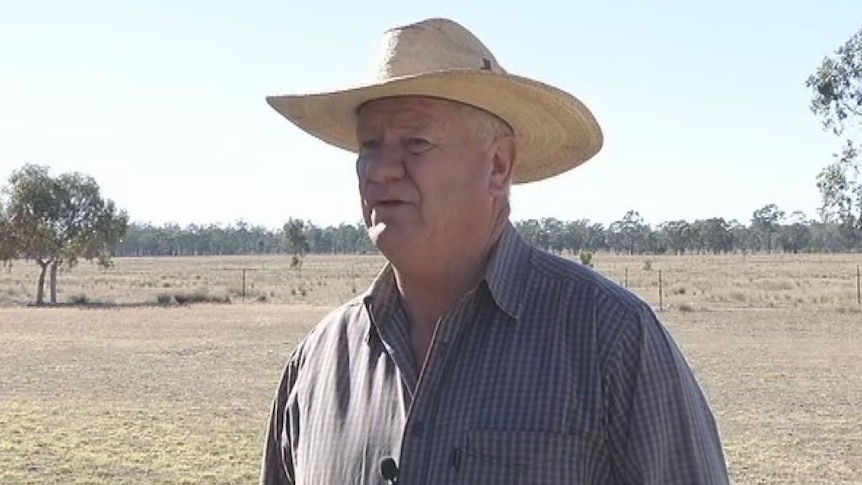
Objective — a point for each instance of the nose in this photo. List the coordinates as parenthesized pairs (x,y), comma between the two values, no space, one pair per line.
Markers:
(381,164)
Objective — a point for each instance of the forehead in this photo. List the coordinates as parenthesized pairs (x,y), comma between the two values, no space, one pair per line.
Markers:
(419,111)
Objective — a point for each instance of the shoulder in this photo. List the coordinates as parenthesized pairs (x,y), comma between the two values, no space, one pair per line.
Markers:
(590,304)
(346,320)
(574,277)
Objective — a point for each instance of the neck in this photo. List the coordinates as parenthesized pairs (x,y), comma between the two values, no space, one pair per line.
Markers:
(432,290)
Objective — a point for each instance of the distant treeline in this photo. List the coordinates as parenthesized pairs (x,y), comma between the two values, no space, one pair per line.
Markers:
(241,238)
(768,231)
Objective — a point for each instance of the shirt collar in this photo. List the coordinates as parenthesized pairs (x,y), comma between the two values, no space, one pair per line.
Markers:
(381,298)
(505,277)
(507,270)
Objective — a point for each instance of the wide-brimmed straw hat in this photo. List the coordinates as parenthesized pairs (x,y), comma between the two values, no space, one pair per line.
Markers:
(440,58)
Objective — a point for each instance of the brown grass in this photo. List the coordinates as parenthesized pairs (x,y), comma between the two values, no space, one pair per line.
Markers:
(147,394)
(810,281)
(786,386)
(322,279)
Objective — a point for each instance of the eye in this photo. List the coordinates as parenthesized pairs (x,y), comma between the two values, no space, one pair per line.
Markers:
(369,144)
(418,145)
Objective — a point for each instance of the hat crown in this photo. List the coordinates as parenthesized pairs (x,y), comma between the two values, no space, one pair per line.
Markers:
(432,45)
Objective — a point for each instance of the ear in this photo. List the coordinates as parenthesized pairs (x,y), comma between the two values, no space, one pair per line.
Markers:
(504,155)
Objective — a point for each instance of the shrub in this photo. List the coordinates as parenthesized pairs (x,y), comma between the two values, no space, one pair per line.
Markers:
(80,299)
(295,262)
(685,308)
(586,258)
(191,298)
(848,309)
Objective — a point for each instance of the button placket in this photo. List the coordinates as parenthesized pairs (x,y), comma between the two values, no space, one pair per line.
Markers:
(430,387)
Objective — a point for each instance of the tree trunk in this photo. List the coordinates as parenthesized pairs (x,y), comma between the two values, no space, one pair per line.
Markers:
(54,266)
(40,286)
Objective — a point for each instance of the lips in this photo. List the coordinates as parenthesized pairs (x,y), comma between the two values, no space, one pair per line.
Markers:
(386,201)
(379,197)
(388,205)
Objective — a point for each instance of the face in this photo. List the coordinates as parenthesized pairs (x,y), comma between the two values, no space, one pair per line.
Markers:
(427,180)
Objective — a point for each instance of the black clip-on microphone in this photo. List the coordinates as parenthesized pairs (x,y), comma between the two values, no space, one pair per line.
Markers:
(389,469)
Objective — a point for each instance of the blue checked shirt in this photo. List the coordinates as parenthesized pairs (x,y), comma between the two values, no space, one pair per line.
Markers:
(547,373)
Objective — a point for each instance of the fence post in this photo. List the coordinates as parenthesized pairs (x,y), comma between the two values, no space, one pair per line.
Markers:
(243,284)
(627,277)
(858,287)
(660,293)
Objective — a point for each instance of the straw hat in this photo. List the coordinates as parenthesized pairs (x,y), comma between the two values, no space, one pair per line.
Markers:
(440,58)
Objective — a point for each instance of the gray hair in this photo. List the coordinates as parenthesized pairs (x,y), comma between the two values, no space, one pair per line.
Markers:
(488,126)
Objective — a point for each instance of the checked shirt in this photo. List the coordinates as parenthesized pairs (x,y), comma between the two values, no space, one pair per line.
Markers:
(546,373)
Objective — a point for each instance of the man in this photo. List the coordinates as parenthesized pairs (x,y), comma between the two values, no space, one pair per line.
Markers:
(474,358)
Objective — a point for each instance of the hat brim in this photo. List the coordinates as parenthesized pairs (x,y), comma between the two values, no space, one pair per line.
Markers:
(556,132)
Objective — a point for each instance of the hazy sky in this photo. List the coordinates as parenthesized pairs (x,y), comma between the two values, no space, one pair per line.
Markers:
(703,103)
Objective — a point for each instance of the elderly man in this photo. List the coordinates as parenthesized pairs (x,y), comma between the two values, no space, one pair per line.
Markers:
(474,358)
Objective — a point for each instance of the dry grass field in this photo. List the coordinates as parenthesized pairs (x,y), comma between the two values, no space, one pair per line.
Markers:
(126,391)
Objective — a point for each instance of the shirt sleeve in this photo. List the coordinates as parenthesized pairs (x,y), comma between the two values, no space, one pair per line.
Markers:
(276,466)
(660,426)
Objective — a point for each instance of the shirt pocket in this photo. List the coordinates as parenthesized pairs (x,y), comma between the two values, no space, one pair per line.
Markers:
(528,458)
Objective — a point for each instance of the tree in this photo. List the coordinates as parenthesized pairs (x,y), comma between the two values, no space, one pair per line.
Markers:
(555,231)
(296,240)
(676,235)
(796,235)
(765,223)
(57,221)
(741,235)
(715,235)
(574,235)
(7,253)
(533,232)
(837,99)
(630,233)
(596,237)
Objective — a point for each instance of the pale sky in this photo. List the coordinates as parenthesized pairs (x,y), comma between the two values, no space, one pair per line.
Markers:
(702,103)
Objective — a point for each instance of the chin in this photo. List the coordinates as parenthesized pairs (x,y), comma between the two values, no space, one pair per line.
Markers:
(392,241)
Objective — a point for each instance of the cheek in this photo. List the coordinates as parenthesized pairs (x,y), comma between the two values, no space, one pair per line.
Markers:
(451,186)
(360,170)
(474,181)
(361,179)
(462,195)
